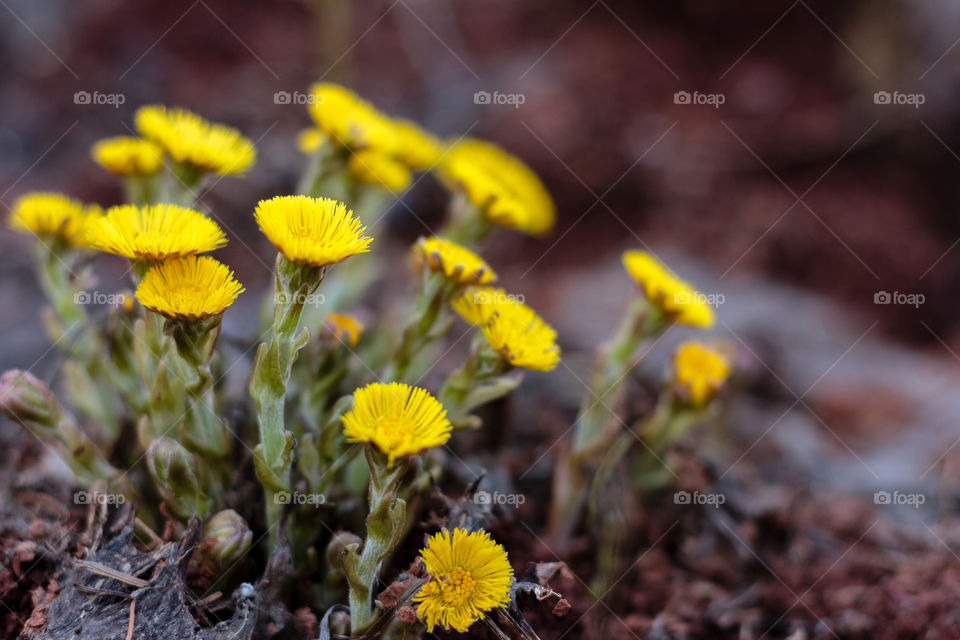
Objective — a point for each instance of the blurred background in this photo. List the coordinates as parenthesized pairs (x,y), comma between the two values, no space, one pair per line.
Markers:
(797,161)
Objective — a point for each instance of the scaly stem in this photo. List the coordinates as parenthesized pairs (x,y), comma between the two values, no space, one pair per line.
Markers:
(426,323)
(293,283)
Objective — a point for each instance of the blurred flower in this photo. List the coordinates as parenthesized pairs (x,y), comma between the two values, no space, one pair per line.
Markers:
(341,324)
(672,295)
(512,329)
(350,120)
(192,287)
(310,139)
(53,214)
(380,169)
(469,576)
(700,371)
(504,188)
(154,232)
(417,148)
(312,231)
(191,140)
(454,261)
(398,419)
(126,155)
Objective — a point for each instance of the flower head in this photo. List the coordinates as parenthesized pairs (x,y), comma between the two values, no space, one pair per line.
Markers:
(191,140)
(453,260)
(342,325)
(313,231)
(507,191)
(417,148)
(700,371)
(193,287)
(53,214)
(380,169)
(154,232)
(398,419)
(126,155)
(310,139)
(512,329)
(350,120)
(469,576)
(672,295)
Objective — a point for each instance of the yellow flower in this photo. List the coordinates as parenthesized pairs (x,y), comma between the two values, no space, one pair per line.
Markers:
(417,148)
(454,261)
(154,232)
(469,576)
(193,287)
(53,214)
(350,120)
(507,191)
(672,295)
(341,324)
(380,169)
(512,329)
(191,140)
(398,419)
(700,371)
(313,231)
(310,139)
(126,155)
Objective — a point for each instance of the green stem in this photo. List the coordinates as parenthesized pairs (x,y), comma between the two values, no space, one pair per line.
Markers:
(427,322)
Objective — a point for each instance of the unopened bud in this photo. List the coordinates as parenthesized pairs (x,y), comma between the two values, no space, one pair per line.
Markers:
(174,472)
(226,539)
(23,397)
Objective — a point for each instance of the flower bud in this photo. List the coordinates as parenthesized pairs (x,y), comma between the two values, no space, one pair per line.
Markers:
(226,539)
(25,398)
(174,472)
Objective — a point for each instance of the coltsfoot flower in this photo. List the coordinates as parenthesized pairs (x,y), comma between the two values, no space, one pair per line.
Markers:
(398,419)
(504,188)
(344,326)
(194,287)
(349,120)
(126,155)
(192,141)
(154,232)
(469,576)
(380,169)
(53,215)
(672,295)
(454,261)
(699,371)
(311,231)
(511,328)
(417,148)
(310,139)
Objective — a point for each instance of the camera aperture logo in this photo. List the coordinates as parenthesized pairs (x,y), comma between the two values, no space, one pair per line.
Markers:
(99,298)
(98,497)
(511,499)
(899,98)
(898,498)
(697,497)
(302,299)
(710,99)
(97,98)
(299,498)
(512,99)
(297,97)
(911,299)
(712,299)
